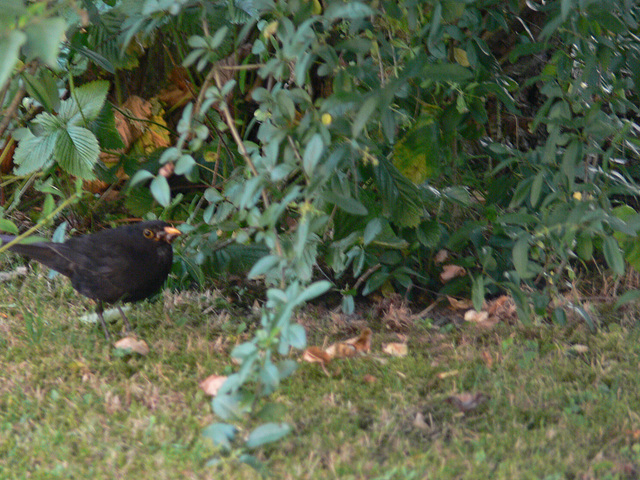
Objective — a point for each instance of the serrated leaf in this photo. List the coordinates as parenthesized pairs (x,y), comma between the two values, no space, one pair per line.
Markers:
(104,127)
(90,99)
(267,433)
(160,190)
(77,151)
(34,153)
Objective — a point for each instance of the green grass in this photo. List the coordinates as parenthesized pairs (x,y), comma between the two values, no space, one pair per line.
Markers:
(70,407)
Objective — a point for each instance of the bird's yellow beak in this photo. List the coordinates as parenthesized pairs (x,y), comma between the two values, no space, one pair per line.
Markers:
(170,233)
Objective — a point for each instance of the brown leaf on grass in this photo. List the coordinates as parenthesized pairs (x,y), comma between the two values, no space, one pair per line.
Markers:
(450,373)
(449,272)
(441,257)
(463,304)
(487,358)
(132,344)
(419,422)
(212,384)
(474,316)
(362,342)
(316,355)
(467,401)
(341,350)
(370,379)
(396,349)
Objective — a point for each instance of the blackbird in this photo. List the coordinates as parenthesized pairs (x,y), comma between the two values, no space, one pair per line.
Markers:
(126,264)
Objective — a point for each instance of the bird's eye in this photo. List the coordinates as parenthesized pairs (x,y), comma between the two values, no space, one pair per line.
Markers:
(147,233)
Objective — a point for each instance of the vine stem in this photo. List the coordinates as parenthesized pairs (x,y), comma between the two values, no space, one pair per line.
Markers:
(243,150)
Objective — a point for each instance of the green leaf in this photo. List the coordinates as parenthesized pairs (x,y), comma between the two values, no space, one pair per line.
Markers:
(8,226)
(348,10)
(630,296)
(218,37)
(160,190)
(371,231)
(10,44)
(140,176)
(447,72)
(477,292)
(418,154)
(287,367)
(520,255)
(312,154)
(227,406)
(348,204)
(44,38)
(43,89)
(184,165)
(267,433)
(104,127)
(90,99)
(77,151)
(363,115)
(613,255)
(566,6)
(312,291)
(34,153)
(263,266)
(536,188)
(221,434)
(584,247)
(270,377)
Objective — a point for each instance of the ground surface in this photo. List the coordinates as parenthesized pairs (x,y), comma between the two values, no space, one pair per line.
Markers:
(561,402)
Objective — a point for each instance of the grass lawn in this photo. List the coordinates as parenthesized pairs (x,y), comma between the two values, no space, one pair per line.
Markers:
(562,402)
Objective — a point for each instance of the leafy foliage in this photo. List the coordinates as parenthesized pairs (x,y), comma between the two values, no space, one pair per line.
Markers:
(359,138)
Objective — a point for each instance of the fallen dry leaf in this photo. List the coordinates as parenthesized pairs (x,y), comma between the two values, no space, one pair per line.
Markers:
(396,349)
(341,350)
(487,358)
(133,345)
(362,342)
(449,272)
(463,304)
(316,355)
(579,348)
(419,422)
(450,373)
(467,401)
(369,379)
(441,257)
(212,384)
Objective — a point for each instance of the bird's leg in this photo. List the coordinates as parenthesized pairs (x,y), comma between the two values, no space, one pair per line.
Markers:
(125,319)
(104,325)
